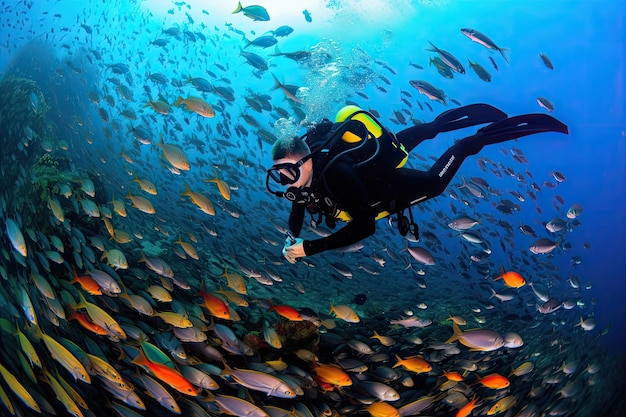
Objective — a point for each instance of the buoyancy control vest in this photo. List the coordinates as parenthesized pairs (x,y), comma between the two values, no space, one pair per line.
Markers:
(357,134)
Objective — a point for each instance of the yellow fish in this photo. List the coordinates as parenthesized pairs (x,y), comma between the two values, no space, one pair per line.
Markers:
(160,106)
(199,200)
(104,369)
(19,389)
(115,259)
(174,155)
(159,293)
(62,395)
(121,236)
(57,210)
(5,400)
(101,318)
(141,203)
(188,248)
(65,358)
(222,186)
(196,105)
(175,319)
(118,207)
(502,405)
(236,282)
(345,313)
(145,185)
(28,348)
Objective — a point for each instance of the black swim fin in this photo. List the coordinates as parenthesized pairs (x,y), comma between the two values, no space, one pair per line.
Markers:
(466,116)
(519,126)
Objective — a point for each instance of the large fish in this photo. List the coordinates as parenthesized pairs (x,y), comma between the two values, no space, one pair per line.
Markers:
(421,255)
(484,40)
(477,339)
(260,381)
(450,60)
(429,91)
(253,12)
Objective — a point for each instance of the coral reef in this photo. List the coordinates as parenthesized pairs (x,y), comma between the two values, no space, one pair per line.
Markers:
(298,334)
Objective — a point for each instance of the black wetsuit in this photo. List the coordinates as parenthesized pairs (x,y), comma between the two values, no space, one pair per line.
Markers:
(355,189)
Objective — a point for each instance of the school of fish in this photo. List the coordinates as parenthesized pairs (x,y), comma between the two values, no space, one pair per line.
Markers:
(141,270)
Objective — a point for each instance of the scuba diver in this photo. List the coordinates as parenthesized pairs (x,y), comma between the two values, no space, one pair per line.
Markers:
(352,170)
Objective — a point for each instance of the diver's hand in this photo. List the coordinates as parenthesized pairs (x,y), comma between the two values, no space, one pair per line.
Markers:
(293,250)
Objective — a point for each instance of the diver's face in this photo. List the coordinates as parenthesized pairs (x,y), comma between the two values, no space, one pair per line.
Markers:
(306,171)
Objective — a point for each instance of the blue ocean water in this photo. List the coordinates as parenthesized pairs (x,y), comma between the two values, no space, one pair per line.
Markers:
(96,65)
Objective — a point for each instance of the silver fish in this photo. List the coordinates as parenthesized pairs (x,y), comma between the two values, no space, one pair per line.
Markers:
(543,246)
(484,40)
(550,306)
(449,59)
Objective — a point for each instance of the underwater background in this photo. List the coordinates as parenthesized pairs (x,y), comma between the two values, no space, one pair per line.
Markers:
(141,253)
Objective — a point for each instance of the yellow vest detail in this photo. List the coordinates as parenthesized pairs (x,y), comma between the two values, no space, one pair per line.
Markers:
(374,130)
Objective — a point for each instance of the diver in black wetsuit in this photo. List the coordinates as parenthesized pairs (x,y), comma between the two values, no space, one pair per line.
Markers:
(364,180)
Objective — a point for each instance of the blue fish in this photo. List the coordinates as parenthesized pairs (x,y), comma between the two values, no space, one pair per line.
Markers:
(307,15)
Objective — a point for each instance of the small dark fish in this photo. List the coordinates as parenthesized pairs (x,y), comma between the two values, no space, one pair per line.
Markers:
(297,56)
(264,41)
(550,306)
(255,60)
(545,103)
(493,62)
(558,176)
(419,67)
(442,68)
(527,230)
(120,68)
(360,299)
(480,71)
(307,16)
(546,61)
(282,31)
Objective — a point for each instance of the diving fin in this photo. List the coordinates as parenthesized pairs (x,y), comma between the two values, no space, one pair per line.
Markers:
(519,126)
(466,116)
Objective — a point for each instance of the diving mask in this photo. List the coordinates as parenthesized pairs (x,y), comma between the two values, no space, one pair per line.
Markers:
(287,173)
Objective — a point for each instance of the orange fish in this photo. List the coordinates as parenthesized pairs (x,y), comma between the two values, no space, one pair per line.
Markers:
(86,283)
(382,409)
(287,312)
(86,323)
(453,376)
(511,279)
(415,364)
(215,305)
(494,381)
(332,374)
(170,376)
(467,408)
